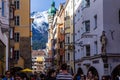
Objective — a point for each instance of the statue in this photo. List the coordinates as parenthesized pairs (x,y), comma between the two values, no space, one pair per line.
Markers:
(103,40)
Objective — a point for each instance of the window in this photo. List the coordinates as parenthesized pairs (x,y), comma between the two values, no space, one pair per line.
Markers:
(87,50)
(61,44)
(68,39)
(87,26)
(3,8)
(17,20)
(96,48)
(11,52)
(17,37)
(82,51)
(11,13)
(11,33)
(94,0)
(68,56)
(17,4)
(78,50)
(119,16)
(95,19)
(87,3)
(16,55)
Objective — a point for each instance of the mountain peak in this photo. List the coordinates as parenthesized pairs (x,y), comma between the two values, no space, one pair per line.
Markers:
(39,29)
(40,21)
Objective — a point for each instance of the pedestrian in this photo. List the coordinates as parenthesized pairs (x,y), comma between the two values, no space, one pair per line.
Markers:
(18,76)
(51,75)
(64,75)
(7,76)
(0,76)
(83,77)
(90,76)
(42,76)
(32,77)
(78,75)
(96,78)
(117,77)
(104,78)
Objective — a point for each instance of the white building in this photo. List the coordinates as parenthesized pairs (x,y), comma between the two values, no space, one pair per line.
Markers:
(91,18)
(4,27)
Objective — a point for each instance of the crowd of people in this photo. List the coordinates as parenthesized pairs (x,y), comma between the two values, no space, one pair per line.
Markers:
(63,74)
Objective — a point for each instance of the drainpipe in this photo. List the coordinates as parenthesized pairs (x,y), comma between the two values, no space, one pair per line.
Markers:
(73,37)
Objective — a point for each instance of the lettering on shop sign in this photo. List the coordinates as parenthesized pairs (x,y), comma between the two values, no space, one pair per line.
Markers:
(87,36)
(116,60)
(95,61)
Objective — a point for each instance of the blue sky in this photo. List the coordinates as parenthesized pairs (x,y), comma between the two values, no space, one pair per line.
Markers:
(42,5)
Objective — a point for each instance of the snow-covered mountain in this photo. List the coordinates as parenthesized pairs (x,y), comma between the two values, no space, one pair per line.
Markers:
(39,29)
(40,22)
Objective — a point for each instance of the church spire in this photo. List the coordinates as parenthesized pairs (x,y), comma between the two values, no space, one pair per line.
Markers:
(52,10)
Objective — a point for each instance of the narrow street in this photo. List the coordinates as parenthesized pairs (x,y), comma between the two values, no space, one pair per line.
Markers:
(59,40)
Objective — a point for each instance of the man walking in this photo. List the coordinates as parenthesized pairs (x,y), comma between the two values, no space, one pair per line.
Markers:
(7,76)
(64,75)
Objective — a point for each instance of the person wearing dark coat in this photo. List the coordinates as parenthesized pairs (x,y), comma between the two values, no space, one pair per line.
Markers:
(51,75)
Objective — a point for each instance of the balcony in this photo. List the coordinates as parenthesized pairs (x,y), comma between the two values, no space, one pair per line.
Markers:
(67,18)
(4,27)
(67,22)
(71,47)
(11,23)
(11,42)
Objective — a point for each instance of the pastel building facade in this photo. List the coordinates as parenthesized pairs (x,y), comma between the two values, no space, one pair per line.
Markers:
(97,37)
(69,36)
(20,35)
(38,61)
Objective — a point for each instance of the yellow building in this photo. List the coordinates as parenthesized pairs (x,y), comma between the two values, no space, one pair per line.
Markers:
(20,39)
(38,61)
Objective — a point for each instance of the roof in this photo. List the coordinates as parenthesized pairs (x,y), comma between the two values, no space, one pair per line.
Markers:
(52,10)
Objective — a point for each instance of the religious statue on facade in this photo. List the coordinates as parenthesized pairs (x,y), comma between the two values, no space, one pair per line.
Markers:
(103,40)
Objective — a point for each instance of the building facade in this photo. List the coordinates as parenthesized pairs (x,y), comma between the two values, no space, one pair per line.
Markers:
(60,35)
(69,43)
(38,61)
(4,35)
(50,47)
(20,35)
(97,37)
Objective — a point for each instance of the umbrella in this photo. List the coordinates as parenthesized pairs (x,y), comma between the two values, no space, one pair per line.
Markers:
(26,70)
